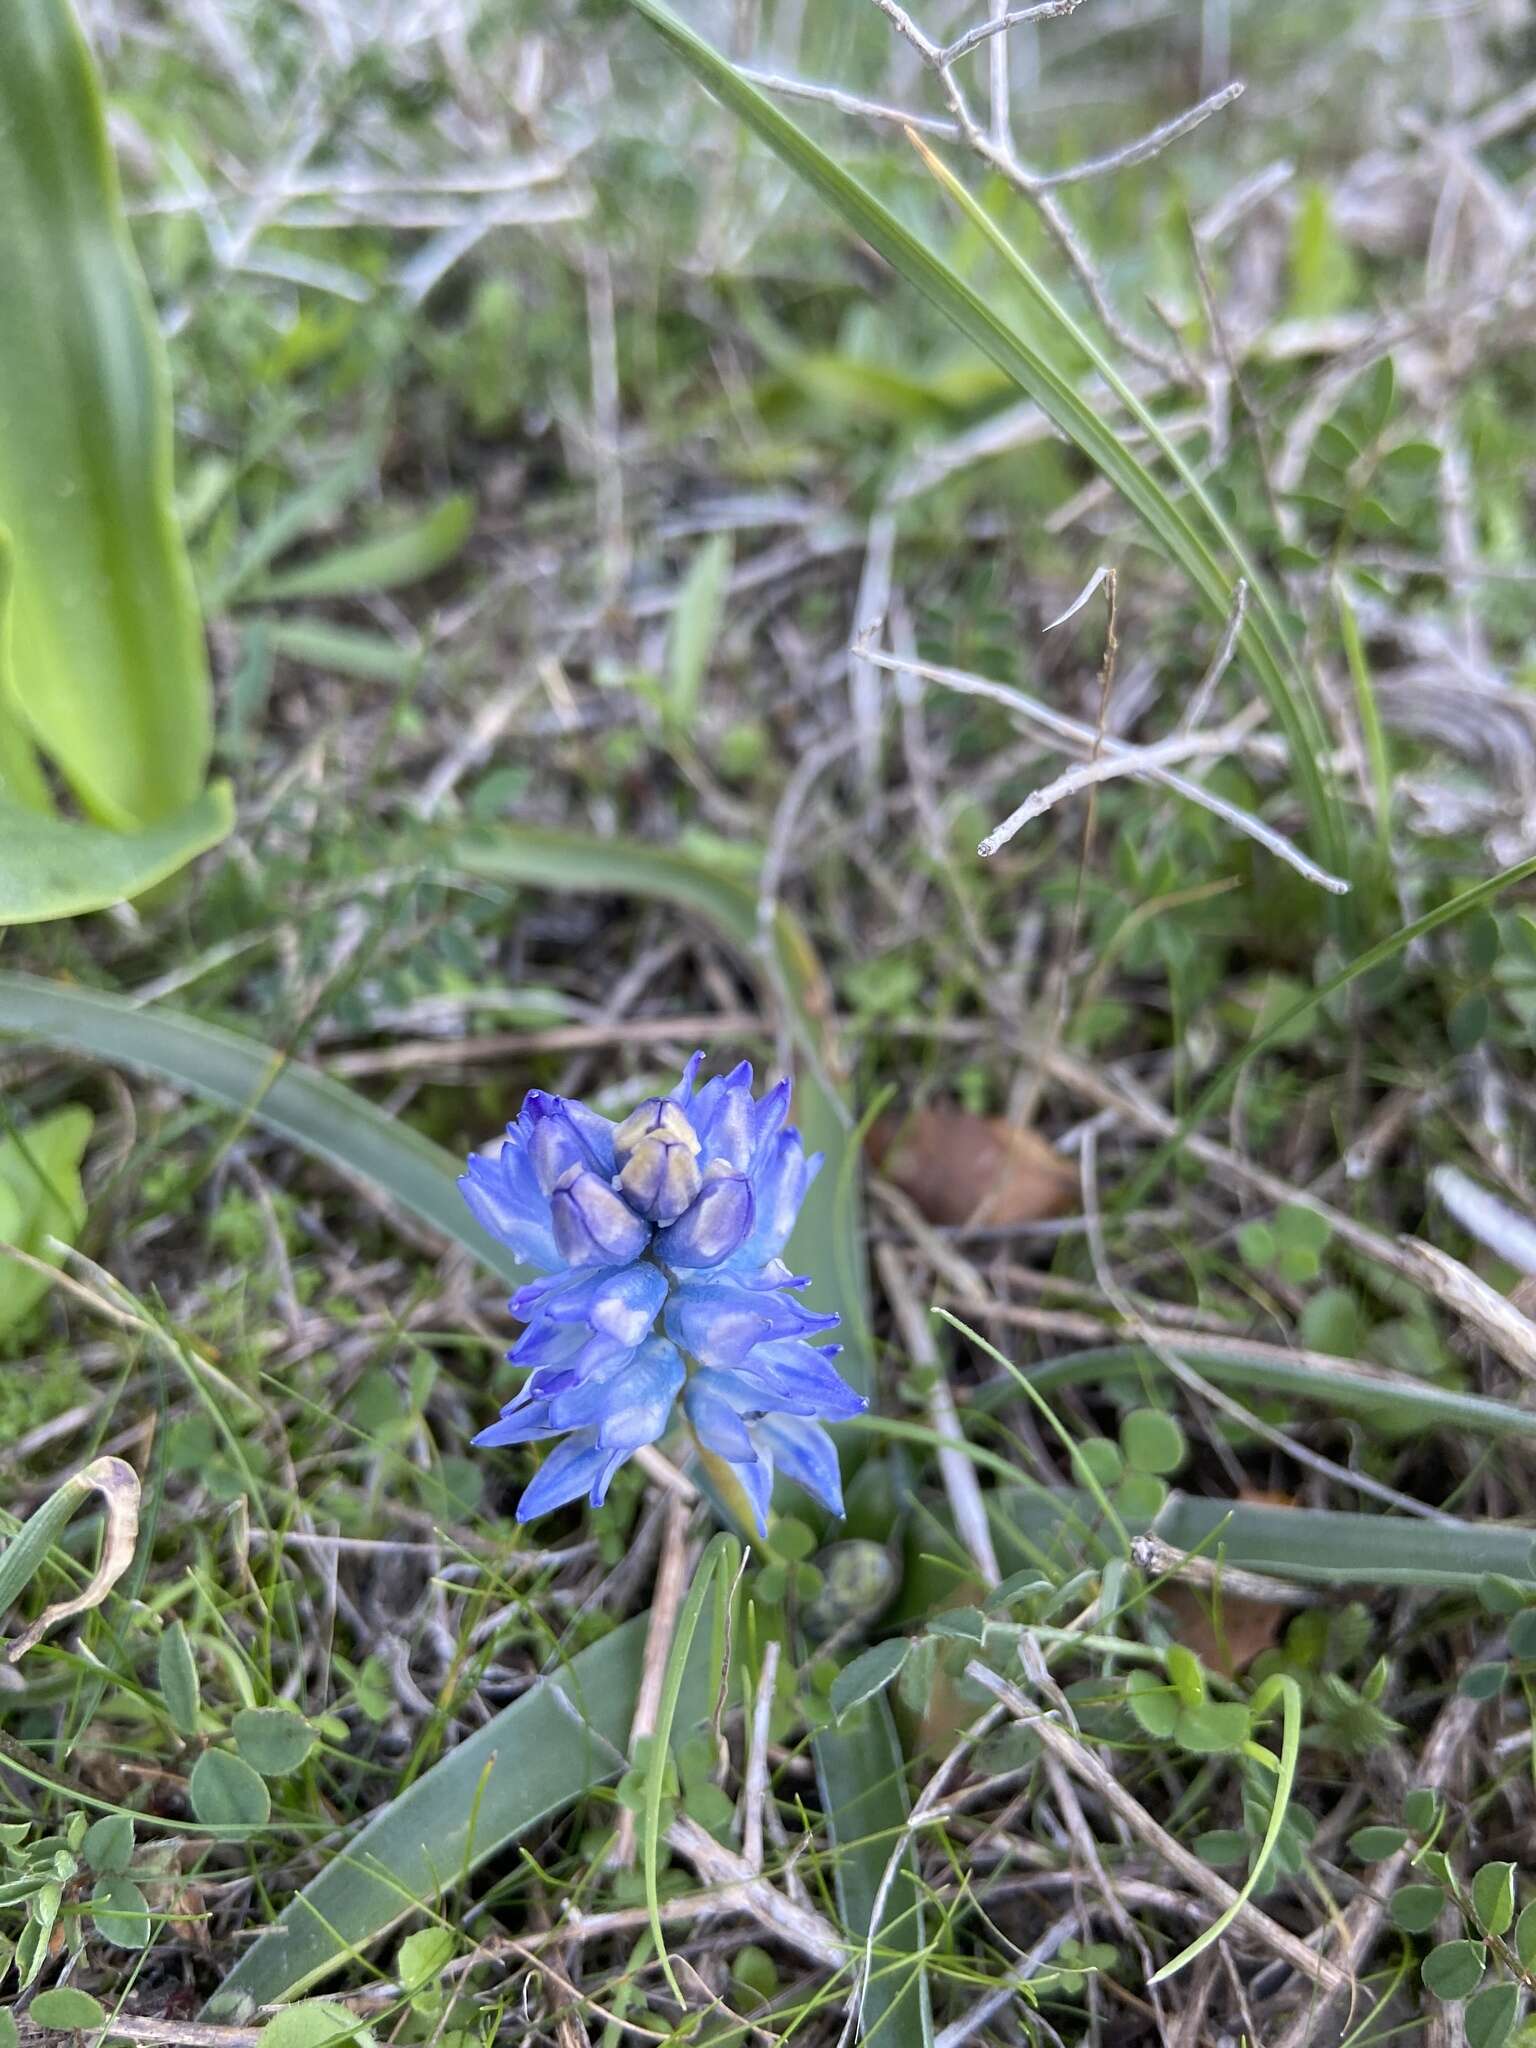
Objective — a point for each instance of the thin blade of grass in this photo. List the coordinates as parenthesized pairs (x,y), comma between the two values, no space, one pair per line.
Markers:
(720,1562)
(1215,1092)
(313,1111)
(1192,542)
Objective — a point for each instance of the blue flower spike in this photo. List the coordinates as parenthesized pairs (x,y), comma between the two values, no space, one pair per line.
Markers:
(680,1213)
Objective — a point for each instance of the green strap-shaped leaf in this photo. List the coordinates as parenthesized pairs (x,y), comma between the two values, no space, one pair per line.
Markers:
(385,562)
(1318,1546)
(564,1737)
(862,1775)
(1393,1397)
(315,1112)
(109,671)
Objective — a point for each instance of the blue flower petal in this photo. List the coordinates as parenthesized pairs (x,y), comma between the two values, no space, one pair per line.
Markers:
(719,1321)
(578,1197)
(594,1225)
(800,1379)
(573,1467)
(716,1418)
(714,1224)
(556,1141)
(504,1198)
(725,1117)
(781,1174)
(805,1453)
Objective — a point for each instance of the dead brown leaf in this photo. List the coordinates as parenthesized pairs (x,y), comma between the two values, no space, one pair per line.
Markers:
(1226,1631)
(959,1168)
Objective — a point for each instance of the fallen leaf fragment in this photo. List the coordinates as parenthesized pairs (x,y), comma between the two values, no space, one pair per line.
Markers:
(960,1168)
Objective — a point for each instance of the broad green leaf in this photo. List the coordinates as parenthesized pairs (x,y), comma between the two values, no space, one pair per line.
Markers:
(1493,1897)
(40,1197)
(108,1844)
(226,1793)
(559,1740)
(1214,1728)
(1152,1441)
(1375,1844)
(1416,1907)
(1154,1705)
(176,1672)
(386,561)
(869,1673)
(120,1912)
(109,673)
(316,2023)
(423,1957)
(1455,1968)
(272,1740)
(1489,2015)
(325,1118)
(67,2008)
(1525,1937)
(63,867)
(827,1242)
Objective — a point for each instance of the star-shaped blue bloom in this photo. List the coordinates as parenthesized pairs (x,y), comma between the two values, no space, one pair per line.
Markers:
(680,1213)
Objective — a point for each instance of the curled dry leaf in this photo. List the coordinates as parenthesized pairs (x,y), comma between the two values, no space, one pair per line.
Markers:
(118,1485)
(980,1170)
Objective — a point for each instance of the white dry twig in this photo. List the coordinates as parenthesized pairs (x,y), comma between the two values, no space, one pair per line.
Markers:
(1033,711)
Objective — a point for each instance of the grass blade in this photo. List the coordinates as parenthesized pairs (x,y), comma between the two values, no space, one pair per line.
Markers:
(695,624)
(221,1066)
(560,1740)
(720,1563)
(1195,539)
(385,561)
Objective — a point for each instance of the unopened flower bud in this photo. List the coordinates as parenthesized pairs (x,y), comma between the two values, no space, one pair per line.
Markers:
(555,1145)
(660,1177)
(594,1225)
(715,1224)
(655,1118)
